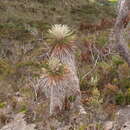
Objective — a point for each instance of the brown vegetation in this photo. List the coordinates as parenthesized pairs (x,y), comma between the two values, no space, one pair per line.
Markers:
(103,24)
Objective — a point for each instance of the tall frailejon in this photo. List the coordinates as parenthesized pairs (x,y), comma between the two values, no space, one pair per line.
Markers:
(63,85)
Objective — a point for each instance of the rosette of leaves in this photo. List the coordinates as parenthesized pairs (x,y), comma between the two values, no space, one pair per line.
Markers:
(96,99)
(61,35)
(53,69)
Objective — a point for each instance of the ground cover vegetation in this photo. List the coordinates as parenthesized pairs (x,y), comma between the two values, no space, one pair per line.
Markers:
(25,47)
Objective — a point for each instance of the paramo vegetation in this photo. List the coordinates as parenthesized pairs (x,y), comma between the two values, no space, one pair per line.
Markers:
(80,56)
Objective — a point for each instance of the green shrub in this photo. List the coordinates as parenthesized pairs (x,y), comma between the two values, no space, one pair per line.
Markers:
(117,60)
(2,104)
(128,96)
(120,98)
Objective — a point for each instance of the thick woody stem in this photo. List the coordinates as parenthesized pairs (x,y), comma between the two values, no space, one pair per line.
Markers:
(121,45)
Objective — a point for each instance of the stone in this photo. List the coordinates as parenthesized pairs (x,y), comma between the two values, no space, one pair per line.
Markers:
(123,119)
(108,125)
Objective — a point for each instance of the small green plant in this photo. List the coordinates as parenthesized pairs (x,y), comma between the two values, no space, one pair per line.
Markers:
(72,98)
(120,98)
(102,39)
(117,60)
(82,127)
(128,96)
(2,104)
(23,109)
(96,99)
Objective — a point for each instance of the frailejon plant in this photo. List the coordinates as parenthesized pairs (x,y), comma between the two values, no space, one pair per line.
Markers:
(53,75)
(59,78)
(62,40)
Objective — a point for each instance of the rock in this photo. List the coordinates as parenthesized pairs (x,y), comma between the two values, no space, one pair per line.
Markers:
(123,119)
(126,126)
(18,123)
(108,125)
